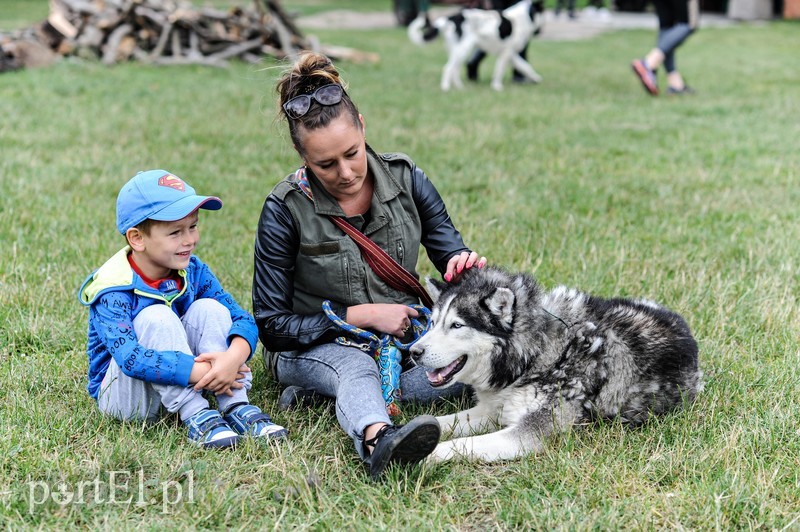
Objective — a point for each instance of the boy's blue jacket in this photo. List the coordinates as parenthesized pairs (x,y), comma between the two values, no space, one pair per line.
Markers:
(115,295)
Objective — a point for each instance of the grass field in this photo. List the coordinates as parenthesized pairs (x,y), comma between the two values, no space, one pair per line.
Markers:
(583,180)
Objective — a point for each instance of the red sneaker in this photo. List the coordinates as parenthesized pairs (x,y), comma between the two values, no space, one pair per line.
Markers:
(646,76)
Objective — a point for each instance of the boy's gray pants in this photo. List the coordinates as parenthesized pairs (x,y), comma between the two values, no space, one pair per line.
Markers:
(203,329)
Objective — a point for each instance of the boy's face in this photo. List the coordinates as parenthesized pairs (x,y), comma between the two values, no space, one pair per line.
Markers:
(168,246)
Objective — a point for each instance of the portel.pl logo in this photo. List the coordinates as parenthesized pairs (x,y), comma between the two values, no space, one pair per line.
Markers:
(118,487)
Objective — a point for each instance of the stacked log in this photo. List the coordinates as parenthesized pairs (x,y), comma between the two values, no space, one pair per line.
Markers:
(162,32)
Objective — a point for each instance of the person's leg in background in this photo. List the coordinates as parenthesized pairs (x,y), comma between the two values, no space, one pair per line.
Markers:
(474,63)
(669,39)
(677,21)
(570,5)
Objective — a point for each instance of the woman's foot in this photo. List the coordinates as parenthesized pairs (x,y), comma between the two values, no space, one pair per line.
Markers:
(646,76)
(296,396)
(680,91)
(402,444)
(676,84)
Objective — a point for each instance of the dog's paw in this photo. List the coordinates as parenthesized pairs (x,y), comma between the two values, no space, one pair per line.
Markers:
(442,453)
(446,424)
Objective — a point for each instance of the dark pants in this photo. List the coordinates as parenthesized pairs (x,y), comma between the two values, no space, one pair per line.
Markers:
(677,19)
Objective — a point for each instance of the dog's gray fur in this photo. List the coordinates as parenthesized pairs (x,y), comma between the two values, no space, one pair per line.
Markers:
(540,362)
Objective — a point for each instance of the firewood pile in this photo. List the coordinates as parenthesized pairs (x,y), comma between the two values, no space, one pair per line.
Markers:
(162,32)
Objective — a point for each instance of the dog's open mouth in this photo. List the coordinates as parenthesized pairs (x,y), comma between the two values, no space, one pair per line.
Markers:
(441,376)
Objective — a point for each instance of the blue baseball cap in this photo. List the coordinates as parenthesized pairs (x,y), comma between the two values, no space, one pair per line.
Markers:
(158,195)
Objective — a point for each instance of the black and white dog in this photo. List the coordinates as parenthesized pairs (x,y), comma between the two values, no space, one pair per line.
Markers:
(503,33)
(540,362)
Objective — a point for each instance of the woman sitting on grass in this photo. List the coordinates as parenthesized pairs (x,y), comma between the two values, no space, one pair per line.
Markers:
(302,258)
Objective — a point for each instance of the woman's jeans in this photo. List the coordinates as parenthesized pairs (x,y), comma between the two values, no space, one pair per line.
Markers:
(352,377)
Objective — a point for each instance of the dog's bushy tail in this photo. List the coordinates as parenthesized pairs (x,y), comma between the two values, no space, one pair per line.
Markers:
(421,31)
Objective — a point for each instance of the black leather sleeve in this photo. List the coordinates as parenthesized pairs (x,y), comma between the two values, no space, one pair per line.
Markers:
(279,328)
(439,236)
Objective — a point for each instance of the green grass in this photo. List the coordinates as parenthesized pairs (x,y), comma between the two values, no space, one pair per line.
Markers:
(310,7)
(583,180)
(18,14)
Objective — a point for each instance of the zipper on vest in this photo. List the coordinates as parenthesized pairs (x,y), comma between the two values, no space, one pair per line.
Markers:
(347,278)
(400,254)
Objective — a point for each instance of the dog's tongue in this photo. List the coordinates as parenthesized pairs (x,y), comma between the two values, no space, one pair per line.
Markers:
(437,376)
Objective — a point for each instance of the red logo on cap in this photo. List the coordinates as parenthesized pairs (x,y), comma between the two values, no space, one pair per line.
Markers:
(169,180)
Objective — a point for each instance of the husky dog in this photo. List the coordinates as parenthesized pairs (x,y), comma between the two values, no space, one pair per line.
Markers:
(504,33)
(540,362)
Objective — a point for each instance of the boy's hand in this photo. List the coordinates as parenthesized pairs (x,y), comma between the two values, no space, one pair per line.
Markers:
(199,371)
(226,368)
(225,371)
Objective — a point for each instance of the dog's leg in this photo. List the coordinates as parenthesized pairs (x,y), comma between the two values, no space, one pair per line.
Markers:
(476,419)
(500,69)
(525,68)
(511,442)
(524,437)
(458,55)
(449,74)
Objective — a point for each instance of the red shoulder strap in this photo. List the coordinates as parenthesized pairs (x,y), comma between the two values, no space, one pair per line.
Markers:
(381,263)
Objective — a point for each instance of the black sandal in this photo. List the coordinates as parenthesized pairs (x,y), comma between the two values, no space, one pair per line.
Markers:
(402,444)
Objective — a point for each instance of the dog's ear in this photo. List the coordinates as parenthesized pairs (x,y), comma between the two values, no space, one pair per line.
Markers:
(501,304)
(434,288)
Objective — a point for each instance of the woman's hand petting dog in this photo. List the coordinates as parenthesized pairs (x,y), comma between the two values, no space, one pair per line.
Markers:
(460,263)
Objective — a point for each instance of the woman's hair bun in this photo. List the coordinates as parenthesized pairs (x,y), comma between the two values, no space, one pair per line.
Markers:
(311,71)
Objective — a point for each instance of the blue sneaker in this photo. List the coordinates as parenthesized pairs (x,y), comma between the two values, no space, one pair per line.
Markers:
(208,429)
(249,420)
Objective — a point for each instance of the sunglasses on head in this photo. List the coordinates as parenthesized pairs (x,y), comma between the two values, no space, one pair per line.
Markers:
(326,95)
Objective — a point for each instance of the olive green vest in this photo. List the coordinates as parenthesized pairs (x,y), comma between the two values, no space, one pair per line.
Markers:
(329,263)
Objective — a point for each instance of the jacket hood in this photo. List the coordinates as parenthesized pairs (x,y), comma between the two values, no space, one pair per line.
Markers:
(115,273)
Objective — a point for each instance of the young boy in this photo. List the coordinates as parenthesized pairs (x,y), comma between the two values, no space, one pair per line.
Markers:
(162,330)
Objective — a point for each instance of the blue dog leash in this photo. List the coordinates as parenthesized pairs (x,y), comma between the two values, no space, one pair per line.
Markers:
(385,349)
